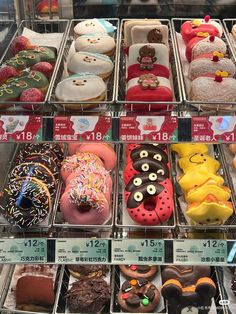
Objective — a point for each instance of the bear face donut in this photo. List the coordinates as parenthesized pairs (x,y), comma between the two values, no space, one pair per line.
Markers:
(25,202)
(145,164)
(96,63)
(188,288)
(139,271)
(138,296)
(96,43)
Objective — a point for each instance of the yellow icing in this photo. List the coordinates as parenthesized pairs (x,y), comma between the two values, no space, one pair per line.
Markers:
(202,34)
(188,149)
(218,54)
(222,73)
(193,160)
(196,22)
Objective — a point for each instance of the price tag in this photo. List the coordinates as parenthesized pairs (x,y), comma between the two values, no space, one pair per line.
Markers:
(84,128)
(20,128)
(81,251)
(131,251)
(214,129)
(149,128)
(23,250)
(200,251)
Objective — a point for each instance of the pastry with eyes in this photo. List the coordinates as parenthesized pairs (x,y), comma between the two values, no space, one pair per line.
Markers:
(81,87)
(146,164)
(130,147)
(96,63)
(150,203)
(138,296)
(96,43)
(93,26)
(151,151)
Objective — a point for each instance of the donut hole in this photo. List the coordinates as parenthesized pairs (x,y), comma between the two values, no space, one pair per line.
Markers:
(24,203)
(84,208)
(149,203)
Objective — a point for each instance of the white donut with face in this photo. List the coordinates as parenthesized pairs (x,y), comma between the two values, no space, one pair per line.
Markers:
(97,43)
(81,87)
(98,64)
(94,26)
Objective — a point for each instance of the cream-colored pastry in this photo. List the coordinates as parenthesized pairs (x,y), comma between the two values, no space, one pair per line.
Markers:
(209,46)
(81,87)
(97,43)
(234,31)
(208,89)
(96,63)
(150,34)
(128,25)
(93,26)
(207,66)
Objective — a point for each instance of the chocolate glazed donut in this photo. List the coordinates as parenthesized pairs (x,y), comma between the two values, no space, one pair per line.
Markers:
(153,152)
(138,296)
(139,271)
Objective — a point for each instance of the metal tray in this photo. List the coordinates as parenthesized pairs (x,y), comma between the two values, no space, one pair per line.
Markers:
(183,224)
(213,106)
(121,212)
(58,221)
(49,26)
(228,24)
(174,76)
(98,106)
(41,227)
(63,286)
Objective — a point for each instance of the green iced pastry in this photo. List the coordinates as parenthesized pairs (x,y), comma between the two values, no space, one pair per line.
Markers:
(14,86)
(29,57)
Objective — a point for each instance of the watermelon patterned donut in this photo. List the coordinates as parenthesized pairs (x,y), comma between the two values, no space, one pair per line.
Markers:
(151,203)
(145,164)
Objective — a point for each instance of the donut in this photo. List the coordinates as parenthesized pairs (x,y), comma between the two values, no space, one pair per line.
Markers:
(232,148)
(43,7)
(138,296)
(104,151)
(25,202)
(151,151)
(88,271)
(151,203)
(93,26)
(138,271)
(194,160)
(49,160)
(80,160)
(34,170)
(190,29)
(84,205)
(72,148)
(145,164)
(132,146)
(96,63)
(187,149)
(98,181)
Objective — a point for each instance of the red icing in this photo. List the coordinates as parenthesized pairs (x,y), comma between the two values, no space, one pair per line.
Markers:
(45,67)
(215,58)
(32,95)
(7,72)
(188,31)
(20,43)
(190,45)
(43,7)
(160,93)
(133,267)
(218,78)
(158,70)
(207,18)
(212,38)
(125,296)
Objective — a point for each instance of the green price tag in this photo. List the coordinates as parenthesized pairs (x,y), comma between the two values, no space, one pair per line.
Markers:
(200,251)
(142,251)
(23,250)
(81,251)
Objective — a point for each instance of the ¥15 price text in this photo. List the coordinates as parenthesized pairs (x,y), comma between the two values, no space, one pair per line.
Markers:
(151,243)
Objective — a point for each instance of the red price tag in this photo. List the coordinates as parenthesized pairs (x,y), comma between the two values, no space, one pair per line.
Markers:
(84,128)
(20,128)
(152,128)
(214,129)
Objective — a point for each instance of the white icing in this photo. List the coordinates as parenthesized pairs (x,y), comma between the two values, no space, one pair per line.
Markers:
(93,86)
(93,26)
(162,82)
(101,43)
(207,46)
(141,22)
(161,53)
(90,62)
(139,33)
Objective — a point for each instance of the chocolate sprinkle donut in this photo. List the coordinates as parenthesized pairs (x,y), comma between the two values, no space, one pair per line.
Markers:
(25,202)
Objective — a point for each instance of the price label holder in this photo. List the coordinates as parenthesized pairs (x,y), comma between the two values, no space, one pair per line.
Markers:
(138,251)
(15,251)
(214,129)
(82,128)
(20,128)
(149,128)
(81,251)
(197,252)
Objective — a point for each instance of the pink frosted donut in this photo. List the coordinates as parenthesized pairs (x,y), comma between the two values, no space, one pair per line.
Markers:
(84,206)
(98,181)
(73,148)
(80,159)
(104,151)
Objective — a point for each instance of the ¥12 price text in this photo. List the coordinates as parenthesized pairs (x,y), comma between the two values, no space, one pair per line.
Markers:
(33,243)
(95,243)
